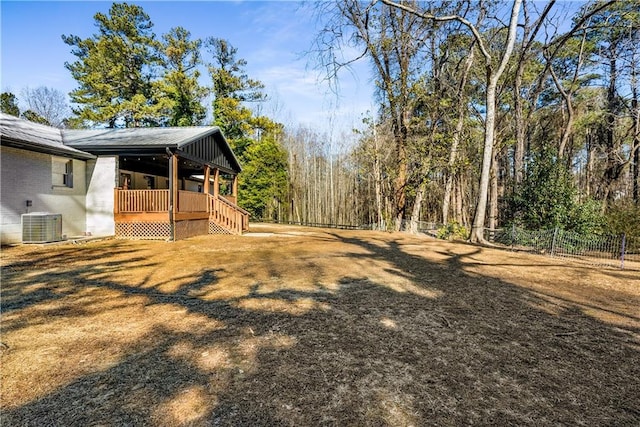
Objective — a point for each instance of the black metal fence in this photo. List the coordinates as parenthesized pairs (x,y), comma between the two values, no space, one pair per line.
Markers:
(619,251)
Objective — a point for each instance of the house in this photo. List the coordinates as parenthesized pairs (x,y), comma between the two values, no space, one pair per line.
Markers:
(137,183)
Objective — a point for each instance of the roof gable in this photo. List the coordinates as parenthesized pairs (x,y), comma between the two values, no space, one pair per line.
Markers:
(212,150)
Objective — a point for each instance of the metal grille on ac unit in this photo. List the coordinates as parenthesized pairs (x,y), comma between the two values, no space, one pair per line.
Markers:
(41,227)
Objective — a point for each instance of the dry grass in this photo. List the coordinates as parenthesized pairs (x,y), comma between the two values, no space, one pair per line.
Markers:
(298,326)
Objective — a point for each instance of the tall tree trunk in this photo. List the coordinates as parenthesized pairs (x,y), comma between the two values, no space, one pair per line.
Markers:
(457,135)
(635,145)
(448,188)
(400,185)
(613,168)
(460,215)
(377,176)
(477,230)
(636,172)
(568,128)
(590,158)
(521,129)
(493,207)
(417,207)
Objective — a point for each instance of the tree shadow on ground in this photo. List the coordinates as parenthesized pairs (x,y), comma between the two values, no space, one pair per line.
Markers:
(449,348)
(45,276)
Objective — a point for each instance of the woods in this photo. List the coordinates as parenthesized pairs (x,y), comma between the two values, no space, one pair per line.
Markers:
(488,114)
(517,113)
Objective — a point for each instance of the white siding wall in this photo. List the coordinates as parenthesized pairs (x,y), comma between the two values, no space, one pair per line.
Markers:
(102,178)
(25,175)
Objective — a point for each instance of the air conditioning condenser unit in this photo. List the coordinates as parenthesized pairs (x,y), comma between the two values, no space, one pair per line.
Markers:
(41,227)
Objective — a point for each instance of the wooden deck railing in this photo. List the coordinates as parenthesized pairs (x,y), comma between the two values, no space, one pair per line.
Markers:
(221,211)
(228,215)
(189,201)
(134,201)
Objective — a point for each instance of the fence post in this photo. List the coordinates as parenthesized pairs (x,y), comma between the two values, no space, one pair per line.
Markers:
(553,243)
(622,250)
(513,235)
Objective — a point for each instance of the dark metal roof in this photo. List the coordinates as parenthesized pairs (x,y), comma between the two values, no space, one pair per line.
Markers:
(26,135)
(206,145)
(135,137)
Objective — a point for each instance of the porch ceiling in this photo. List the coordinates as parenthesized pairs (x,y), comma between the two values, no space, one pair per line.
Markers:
(159,165)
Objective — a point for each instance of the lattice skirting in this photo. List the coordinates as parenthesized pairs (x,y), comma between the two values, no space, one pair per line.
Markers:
(160,230)
(143,230)
(216,229)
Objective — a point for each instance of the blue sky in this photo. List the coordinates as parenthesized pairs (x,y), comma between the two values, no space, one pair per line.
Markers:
(270,35)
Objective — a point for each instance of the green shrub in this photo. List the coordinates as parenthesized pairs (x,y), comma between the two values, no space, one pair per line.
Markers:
(548,199)
(453,230)
(623,218)
(586,218)
(546,196)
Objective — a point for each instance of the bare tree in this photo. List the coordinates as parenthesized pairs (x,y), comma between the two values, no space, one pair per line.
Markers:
(391,39)
(493,75)
(635,114)
(568,95)
(552,51)
(47,103)
(457,134)
(530,31)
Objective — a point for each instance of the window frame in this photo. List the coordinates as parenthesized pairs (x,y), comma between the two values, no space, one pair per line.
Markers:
(61,172)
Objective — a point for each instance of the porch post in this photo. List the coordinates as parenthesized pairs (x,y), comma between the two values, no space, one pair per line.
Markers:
(216,182)
(207,176)
(234,189)
(173,186)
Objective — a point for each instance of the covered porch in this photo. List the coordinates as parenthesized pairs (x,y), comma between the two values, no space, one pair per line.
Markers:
(175,184)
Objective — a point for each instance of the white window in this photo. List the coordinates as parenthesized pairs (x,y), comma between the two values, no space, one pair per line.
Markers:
(61,172)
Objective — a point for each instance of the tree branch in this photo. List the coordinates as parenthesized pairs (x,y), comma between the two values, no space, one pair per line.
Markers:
(560,41)
(462,20)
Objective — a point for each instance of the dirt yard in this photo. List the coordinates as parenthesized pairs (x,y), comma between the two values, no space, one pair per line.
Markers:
(292,326)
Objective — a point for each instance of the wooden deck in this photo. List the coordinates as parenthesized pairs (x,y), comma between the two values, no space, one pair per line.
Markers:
(154,206)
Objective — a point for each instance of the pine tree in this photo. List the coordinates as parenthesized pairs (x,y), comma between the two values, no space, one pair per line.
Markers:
(181,57)
(264,178)
(231,88)
(9,104)
(255,139)
(115,70)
